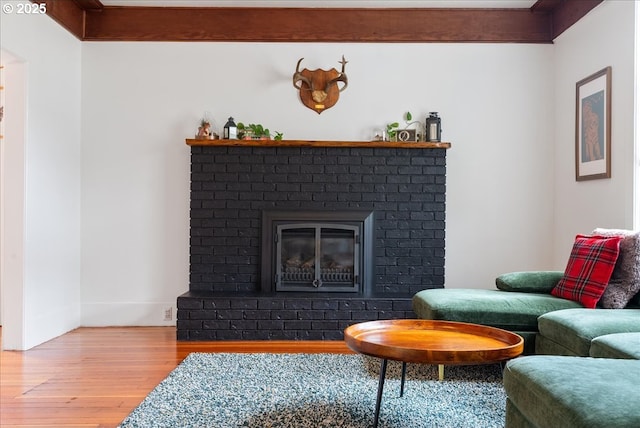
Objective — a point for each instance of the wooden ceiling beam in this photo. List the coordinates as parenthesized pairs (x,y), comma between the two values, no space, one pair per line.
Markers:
(568,13)
(93,5)
(543,22)
(545,6)
(67,13)
(318,25)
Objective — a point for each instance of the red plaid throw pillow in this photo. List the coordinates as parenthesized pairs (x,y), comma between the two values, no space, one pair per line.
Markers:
(590,266)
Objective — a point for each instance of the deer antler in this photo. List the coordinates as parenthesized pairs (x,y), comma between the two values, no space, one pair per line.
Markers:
(298,78)
(342,77)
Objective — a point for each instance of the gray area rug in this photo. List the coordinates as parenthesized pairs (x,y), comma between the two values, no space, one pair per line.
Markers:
(318,390)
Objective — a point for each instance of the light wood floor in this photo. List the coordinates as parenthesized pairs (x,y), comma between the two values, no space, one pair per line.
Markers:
(94,377)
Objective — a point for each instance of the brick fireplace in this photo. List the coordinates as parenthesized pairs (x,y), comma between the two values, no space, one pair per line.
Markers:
(399,187)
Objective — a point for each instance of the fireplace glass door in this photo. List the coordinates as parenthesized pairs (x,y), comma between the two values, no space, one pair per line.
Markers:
(317,257)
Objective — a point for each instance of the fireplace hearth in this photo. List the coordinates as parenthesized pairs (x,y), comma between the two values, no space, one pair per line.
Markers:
(263,219)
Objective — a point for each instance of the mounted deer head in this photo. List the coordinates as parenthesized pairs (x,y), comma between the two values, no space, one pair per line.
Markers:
(319,88)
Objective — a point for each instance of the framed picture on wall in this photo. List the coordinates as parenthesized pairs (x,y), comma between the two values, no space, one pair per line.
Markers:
(593,126)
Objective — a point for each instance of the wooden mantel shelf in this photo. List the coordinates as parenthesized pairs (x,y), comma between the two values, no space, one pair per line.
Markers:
(307,143)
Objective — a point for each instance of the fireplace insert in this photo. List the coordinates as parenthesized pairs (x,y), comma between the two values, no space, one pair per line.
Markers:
(317,251)
(321,255)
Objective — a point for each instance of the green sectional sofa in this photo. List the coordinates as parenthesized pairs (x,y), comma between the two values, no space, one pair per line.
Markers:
(581,366)
(520,304)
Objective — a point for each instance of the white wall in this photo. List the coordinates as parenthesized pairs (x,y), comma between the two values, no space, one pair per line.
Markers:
(50,58)
(141,100)
(605,37)
(12,198)
(508,110)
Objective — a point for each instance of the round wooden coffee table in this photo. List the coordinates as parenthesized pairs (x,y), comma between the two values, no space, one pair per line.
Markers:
(430,342)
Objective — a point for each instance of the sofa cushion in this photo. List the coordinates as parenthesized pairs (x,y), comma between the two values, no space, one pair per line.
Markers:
(625,279)
(589,269)
(617,345)
(508,310)
(554,391)
(574,329)
(529,281)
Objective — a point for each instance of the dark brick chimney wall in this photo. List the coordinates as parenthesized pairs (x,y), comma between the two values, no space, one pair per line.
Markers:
(232,186)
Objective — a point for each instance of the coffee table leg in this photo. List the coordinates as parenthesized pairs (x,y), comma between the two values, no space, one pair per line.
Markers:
(383,373)
(404,374)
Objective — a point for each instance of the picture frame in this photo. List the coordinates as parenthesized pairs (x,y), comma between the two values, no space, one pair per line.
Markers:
(593,126)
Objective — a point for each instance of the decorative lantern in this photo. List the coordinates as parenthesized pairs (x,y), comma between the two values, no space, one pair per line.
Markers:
(434,128)
(230,131)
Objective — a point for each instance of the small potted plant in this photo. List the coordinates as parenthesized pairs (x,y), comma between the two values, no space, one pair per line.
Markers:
(394,128)
(255,131)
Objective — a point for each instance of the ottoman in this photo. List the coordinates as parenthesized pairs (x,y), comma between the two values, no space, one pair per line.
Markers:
(577,392)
